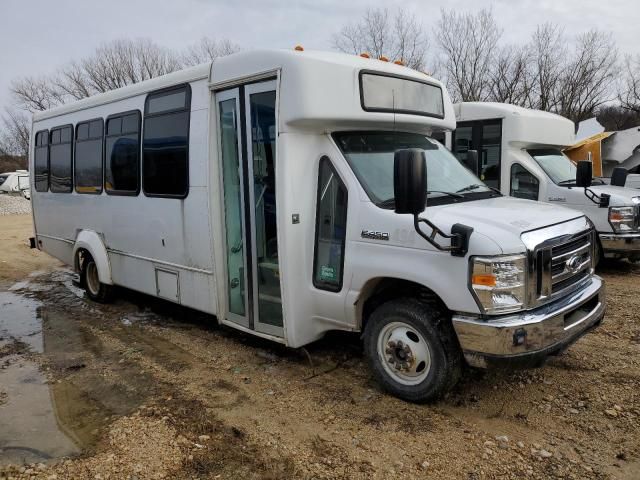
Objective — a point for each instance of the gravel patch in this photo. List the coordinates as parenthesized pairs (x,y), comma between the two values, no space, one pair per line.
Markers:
(14,205)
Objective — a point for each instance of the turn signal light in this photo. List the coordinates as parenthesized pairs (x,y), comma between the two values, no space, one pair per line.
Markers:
(485,280)
(299,48)
(616,216)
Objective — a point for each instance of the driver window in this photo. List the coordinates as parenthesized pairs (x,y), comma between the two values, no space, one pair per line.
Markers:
(523,183)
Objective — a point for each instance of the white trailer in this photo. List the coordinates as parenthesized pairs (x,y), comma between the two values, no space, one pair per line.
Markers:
(17,181)
(284,192)
(519,151)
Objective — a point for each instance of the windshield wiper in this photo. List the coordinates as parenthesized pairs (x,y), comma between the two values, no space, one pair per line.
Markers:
(390,202)
(450,194)
(567,182)
(476,186)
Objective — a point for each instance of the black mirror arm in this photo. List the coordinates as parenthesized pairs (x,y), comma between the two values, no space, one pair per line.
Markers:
(601,200)
(459,236)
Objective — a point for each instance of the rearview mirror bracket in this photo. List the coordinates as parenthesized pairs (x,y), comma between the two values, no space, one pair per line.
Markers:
(601,200)
(460,235)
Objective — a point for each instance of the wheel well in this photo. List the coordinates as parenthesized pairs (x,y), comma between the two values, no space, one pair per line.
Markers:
(79,259)
(381,290)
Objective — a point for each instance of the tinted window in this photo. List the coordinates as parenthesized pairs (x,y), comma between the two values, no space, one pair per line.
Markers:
(165,145)
(122,156)
(175,100)
(384,93)
(60,160)
(88,166)
(523,183)
(41,162)
(331,229)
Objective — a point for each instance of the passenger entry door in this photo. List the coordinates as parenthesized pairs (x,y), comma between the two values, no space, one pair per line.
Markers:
(247,132)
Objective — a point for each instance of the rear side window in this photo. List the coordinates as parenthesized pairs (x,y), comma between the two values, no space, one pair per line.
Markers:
(60,159)
(165,147)
(41,161)
(331,229)
(122,154)
(88,157)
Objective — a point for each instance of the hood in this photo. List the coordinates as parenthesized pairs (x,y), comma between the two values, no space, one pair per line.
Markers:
(619,195)
(502,219)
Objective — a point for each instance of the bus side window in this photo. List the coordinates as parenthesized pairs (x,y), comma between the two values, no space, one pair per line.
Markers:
(88,156)
(331,228)
(61,159)
(523,183)
(41,161)
(165,145)
(122,154)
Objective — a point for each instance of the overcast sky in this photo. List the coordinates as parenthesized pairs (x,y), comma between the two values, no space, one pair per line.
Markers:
(37,36)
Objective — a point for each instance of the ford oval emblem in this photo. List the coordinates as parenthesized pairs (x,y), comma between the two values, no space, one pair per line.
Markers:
(573,264)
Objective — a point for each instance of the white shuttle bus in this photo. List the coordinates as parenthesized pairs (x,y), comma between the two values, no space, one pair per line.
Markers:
(287,193)
(519,151)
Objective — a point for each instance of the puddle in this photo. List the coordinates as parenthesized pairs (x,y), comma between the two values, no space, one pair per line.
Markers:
(20,320)
(61,408)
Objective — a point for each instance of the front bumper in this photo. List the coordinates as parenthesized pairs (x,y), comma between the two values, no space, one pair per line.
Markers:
(528,337)
(620,243)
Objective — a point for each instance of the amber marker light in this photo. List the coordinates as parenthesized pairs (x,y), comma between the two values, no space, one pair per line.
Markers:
(383,58)
(299,48)
(365,55)
(399,62)
(484,279)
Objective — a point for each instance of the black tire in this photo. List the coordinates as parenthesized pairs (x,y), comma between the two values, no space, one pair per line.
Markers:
(96,290)
(433,323)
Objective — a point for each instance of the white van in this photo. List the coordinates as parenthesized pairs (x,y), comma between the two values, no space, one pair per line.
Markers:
(284,192)
(519,152)
(17,181)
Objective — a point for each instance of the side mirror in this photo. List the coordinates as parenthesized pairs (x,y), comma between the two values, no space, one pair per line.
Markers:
(619,176)
(472,161)
(410,181)
(584,174)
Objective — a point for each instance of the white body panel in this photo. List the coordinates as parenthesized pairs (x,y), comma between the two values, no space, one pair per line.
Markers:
(177,249)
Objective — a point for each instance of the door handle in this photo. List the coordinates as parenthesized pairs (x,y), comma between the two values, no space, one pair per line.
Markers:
(234,283)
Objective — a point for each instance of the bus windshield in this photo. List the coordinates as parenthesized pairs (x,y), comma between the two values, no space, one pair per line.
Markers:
(555,164)
(370,155)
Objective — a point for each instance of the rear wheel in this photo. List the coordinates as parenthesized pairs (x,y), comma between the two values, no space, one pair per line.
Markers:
(96,290)
(412,349)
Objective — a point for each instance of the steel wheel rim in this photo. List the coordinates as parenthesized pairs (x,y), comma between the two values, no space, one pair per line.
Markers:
(93,280)
(404,353)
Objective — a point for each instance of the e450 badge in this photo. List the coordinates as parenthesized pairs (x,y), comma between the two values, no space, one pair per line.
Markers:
(375,235)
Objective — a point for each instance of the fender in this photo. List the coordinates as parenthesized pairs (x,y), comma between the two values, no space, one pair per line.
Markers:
(92,242)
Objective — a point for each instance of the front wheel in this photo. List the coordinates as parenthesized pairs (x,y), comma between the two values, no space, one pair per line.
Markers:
(412,349)
(96,290)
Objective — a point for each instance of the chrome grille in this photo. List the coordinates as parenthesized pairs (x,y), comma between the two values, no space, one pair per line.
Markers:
(570,262)
(559,259)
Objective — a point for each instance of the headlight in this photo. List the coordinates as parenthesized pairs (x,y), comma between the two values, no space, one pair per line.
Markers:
(499,283)
(623,219)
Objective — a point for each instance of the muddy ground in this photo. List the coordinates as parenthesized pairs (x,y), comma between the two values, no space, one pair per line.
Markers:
(143,389)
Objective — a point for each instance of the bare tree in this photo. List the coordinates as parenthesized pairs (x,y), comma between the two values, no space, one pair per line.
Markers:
(14,139)
(124,62)
(588,77)
(616,117)
(629,91)
(467,42)
(510,76)
(35,93)
(548,50)
(208,49)
(398,37)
